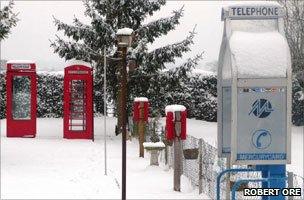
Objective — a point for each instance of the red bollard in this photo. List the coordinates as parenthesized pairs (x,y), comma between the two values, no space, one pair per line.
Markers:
(140,116)
(176,130)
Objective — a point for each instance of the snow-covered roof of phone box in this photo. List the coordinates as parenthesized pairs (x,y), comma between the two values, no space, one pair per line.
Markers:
(142,99)
(20,62)
(260,55)
(174,108)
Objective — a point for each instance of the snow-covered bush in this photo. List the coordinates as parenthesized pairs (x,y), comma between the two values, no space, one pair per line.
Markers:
(50,95)
(197,93)
(2,95)
(297,103)
(203,94)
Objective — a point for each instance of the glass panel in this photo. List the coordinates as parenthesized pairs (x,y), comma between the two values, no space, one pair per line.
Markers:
(21,98)
(77,105)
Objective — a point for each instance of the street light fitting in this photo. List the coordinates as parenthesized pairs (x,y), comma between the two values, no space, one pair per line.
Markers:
(124,37)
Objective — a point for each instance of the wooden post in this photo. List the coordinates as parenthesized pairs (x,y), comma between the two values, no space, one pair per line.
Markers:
(177,152)
(177,163)
(141,130)
(200,166)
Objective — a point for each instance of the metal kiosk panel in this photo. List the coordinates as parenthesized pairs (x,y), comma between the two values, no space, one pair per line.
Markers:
(254,85)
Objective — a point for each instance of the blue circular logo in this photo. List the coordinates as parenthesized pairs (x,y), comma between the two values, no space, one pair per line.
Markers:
(261,139)
(261,108)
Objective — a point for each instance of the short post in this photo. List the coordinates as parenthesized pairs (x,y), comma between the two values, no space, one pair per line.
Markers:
(228,187)
(140,116)
(200,166)
(141,130)
(177,152)
(290,183)
(176,130)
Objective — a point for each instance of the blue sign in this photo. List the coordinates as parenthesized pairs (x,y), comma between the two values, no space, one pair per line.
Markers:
(261,139)
(261,108)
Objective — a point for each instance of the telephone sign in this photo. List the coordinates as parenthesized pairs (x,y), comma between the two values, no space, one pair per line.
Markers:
(252,12)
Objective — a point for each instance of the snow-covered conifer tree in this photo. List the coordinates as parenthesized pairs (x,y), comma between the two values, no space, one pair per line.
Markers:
(87,42)
(8,19)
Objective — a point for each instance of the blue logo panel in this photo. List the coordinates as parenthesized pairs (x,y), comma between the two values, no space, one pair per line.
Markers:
(261,108)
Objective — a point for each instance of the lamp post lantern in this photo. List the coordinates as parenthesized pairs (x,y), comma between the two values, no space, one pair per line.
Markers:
(124,40)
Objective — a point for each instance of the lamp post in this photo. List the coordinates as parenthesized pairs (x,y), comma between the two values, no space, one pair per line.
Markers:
(124,39)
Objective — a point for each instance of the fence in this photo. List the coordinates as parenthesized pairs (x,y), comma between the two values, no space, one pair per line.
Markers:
(202,172)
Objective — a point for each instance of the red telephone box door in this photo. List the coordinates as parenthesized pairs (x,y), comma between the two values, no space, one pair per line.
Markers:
(21,88)
(78,102)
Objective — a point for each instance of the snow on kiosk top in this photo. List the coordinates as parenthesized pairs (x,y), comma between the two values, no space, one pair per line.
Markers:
(141,99)
(259,55)
(175,108)
(251,10)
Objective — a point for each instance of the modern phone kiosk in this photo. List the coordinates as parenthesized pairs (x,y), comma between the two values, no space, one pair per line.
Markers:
(254,90)
(21,98)
(78,102)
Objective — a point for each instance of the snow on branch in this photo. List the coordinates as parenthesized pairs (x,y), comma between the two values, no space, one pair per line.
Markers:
(70,50)
(78,32)
(159,27)
(186,67)
(8,19)
(167,54)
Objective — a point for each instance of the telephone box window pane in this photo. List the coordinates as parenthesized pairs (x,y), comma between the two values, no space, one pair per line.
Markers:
(77,120)
(21,98)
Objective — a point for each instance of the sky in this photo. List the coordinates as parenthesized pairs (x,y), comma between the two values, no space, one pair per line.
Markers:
(31,38)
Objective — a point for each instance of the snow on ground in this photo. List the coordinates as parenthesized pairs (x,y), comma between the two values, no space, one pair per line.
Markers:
(55,168)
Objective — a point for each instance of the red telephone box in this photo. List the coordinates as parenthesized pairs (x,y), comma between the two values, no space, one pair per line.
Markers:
(21,98)
(78,102)
(140,112)
(174,123)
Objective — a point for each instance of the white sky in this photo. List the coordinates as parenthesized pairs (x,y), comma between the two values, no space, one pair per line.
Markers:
(30,39)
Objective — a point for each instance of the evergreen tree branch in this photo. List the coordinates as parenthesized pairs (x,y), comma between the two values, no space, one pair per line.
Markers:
(8,19)
(167,54)
(70,50)
(78,32)
(159,27)
(186,67)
